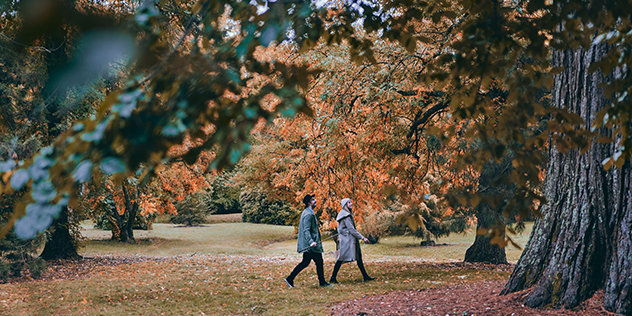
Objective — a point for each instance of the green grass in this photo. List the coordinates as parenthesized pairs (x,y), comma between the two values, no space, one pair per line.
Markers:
(233,268)
(456,245)
(173,240)
(268,240)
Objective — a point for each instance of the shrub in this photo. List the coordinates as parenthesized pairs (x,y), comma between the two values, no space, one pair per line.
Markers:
(192,210)
(5,271)
(431,221)
(256,208)
(18,256)
(37,267)
(224,198)
(380,224)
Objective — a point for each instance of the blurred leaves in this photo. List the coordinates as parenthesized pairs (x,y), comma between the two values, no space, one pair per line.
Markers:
(19,179)
(97,52)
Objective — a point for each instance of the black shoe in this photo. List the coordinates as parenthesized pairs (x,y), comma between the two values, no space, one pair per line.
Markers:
(334,281)
(326,284)
(290,283)
(368,278)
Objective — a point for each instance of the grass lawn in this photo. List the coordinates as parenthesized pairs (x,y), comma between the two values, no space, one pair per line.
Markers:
(232,268)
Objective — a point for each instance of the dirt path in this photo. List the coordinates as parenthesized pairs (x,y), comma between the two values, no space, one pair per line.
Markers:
(479,298)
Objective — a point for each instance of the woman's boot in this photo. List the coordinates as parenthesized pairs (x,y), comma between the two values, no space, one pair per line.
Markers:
(335,273)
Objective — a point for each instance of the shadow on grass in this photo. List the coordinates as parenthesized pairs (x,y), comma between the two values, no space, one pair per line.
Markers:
(422,244)
(224,218)
(140,242)
(268,242)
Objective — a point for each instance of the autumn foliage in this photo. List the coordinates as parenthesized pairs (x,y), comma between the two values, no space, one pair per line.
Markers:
(357,144)
(121,201)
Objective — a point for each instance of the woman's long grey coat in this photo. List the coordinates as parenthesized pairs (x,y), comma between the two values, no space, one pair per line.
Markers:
(348,237)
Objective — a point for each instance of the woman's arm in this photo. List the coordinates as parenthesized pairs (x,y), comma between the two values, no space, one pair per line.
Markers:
(351,228)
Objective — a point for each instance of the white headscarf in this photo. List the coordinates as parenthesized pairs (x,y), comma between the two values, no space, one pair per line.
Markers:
(344,201)
(345,210)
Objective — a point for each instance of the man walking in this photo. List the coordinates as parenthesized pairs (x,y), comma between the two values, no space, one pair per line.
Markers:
(309,243)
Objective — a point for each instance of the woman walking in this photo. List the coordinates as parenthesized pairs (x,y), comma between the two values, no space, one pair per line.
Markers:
(349,241)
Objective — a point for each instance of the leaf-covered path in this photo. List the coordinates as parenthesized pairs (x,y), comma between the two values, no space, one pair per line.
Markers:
(479,298)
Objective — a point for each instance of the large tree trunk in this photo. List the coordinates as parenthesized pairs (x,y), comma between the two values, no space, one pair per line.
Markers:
(122,225)
(583,241)
(486,217)
(117,221)
(482,250)
(60,243)
(132,210)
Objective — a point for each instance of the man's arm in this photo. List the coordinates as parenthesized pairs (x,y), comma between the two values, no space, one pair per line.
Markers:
(307,230)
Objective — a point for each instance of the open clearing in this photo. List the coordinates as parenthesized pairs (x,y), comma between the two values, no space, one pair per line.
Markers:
(231,268)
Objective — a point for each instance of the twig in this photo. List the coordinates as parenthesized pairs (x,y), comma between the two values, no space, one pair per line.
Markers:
(38,48)
(187,30)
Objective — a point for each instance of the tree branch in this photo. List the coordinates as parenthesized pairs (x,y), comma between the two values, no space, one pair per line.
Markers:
(426,116)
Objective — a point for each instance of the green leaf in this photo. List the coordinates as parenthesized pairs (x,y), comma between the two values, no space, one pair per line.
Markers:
(111,165)
(7,165)
(43,192)
(19,179)
(83,171)
(269,34)
(97,134)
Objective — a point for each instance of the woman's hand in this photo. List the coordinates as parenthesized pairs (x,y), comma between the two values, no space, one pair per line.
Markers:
(366,241)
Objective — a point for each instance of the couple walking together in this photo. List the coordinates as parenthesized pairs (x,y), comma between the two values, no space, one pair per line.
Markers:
(310,245)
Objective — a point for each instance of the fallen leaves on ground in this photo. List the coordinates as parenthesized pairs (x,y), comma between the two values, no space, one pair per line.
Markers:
(246,285)
(479,298)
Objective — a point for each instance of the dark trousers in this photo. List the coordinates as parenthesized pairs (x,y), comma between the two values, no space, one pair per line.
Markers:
(307,258)
(339,263)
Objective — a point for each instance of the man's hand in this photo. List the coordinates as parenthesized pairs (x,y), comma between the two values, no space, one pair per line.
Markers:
(366,241)
(313,244)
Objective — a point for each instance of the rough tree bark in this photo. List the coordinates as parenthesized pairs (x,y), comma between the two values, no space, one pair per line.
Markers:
(60,244)
(482,250)
(116,220)
(583,241)
(132,210)
(487,217)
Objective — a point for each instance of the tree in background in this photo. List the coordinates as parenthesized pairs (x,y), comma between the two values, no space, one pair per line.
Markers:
(170,191)
(351,148)
(483,250)
(174,91)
